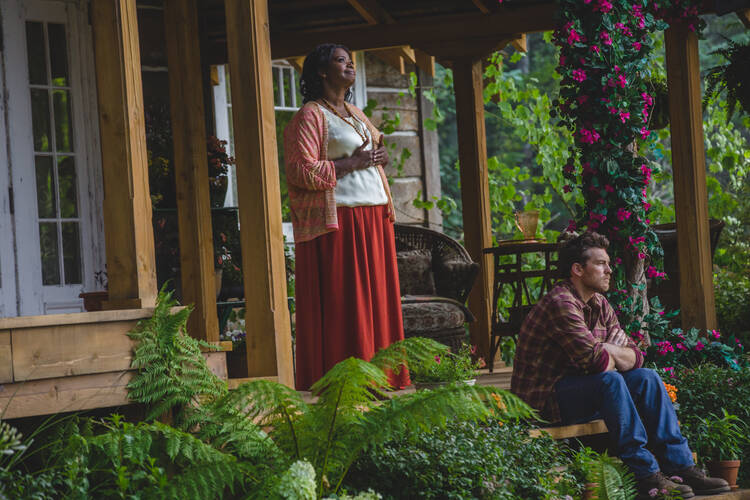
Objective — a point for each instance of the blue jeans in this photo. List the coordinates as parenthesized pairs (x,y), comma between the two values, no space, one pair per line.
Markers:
(637,410)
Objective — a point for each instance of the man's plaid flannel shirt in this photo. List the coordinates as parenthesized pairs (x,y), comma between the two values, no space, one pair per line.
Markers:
(562,336)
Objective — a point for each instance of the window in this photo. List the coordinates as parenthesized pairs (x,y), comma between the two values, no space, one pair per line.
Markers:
(54,155)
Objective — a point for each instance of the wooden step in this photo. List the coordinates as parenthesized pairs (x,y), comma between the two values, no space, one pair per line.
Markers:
(732,495)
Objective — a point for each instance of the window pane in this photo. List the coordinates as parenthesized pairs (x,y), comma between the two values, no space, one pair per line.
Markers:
(66,179)
(288,74)
(40,119)
(48,248)
(63,122)
(71,252)
(58,54)
(276,94)
(45,187)
(36,53)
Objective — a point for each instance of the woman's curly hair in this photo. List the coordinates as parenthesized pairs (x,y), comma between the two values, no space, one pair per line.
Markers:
(310,82)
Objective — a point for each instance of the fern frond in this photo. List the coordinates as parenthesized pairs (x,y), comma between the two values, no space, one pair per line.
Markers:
(412,350)
(429,410)
(615,481)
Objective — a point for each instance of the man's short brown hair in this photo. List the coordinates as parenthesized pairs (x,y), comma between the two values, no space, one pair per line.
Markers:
(575,250)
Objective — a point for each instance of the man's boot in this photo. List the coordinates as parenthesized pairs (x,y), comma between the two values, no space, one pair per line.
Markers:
(658,484)
(702,484)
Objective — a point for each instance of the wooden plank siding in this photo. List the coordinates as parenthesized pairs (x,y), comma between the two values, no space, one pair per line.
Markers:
(269,344)
(127,203)
(53,364)
(191,167)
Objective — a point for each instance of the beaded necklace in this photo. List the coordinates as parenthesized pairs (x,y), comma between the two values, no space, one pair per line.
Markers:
(333,110)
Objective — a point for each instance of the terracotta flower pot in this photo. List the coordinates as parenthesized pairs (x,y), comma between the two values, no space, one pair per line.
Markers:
(725,469)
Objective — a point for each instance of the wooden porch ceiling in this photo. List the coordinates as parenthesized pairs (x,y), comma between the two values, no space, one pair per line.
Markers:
(438,27)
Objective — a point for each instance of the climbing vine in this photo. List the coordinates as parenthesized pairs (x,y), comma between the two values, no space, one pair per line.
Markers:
(604,99)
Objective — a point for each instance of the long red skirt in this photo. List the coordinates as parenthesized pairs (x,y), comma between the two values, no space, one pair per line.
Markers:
(347,294)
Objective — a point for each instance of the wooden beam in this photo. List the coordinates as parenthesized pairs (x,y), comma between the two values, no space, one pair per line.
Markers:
(191,167)
(371,11)
(481,6)
(6,358)
(472,153)
(499,25)
(297,63)
(425,62)
(392,57)
(269,343)
(689,166)
(128,231)
(744,16)
(520,43)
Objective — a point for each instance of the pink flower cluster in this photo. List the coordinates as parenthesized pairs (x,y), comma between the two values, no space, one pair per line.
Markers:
(589,136)
(652,272)
(625,30)
(646,171)
(664,347)
(579,75)
(623,214)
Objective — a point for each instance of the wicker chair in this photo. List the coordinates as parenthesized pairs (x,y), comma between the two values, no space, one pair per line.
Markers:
(436,275)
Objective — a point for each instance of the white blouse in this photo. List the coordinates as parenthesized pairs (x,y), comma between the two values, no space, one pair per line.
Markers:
(361,187)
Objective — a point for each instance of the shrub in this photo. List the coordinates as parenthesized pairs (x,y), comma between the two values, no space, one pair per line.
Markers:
(466,460)
(707,389)
(733,304)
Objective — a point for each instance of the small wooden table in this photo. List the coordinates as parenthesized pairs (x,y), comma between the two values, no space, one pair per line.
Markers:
(524,270)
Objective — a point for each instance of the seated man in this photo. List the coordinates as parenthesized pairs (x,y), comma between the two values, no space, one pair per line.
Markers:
(574,364)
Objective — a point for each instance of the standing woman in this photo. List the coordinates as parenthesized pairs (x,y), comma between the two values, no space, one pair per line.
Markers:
(347,289)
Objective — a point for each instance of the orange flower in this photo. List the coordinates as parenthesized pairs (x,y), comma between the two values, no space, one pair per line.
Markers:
(672,391)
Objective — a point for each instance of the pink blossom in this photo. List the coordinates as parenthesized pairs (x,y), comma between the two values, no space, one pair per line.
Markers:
(716,334)
(661,313)
(637,46)
(582,99)
(641,255)
(699,346)
(605,38)
(647,99)
(567,188)
(681,346)
(645,133)
(595,48)
(624,116)
(437,359)
(622,214)
(573,37)
(572,226)
(664,347)
(603,6)
(579,75)
(618,261)
(646,171)
(670,370)
(647,206)
(609,188)
(589,136)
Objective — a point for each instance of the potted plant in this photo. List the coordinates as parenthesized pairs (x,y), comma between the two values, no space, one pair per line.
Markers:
(732,77)
(446,368)
(719,442)
(659,116)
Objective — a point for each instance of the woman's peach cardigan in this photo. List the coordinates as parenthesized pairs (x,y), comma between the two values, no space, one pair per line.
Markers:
(311,177)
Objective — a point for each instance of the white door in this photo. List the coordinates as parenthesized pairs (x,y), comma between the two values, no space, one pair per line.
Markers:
(52,154)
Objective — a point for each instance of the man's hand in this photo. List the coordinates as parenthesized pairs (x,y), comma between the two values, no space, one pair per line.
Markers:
(623,358)
(610,363)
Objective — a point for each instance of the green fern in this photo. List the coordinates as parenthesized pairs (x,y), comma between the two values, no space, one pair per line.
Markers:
(413,350)
(172,373)
(349,414)
(155,460)
(614,480)
(730,77)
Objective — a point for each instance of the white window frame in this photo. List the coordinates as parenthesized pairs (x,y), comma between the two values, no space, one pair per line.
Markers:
(32,296)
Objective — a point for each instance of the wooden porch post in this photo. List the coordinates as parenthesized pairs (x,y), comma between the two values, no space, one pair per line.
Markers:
(472,153)
(128,230)
(269,345)
(689,165)
(191,168)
